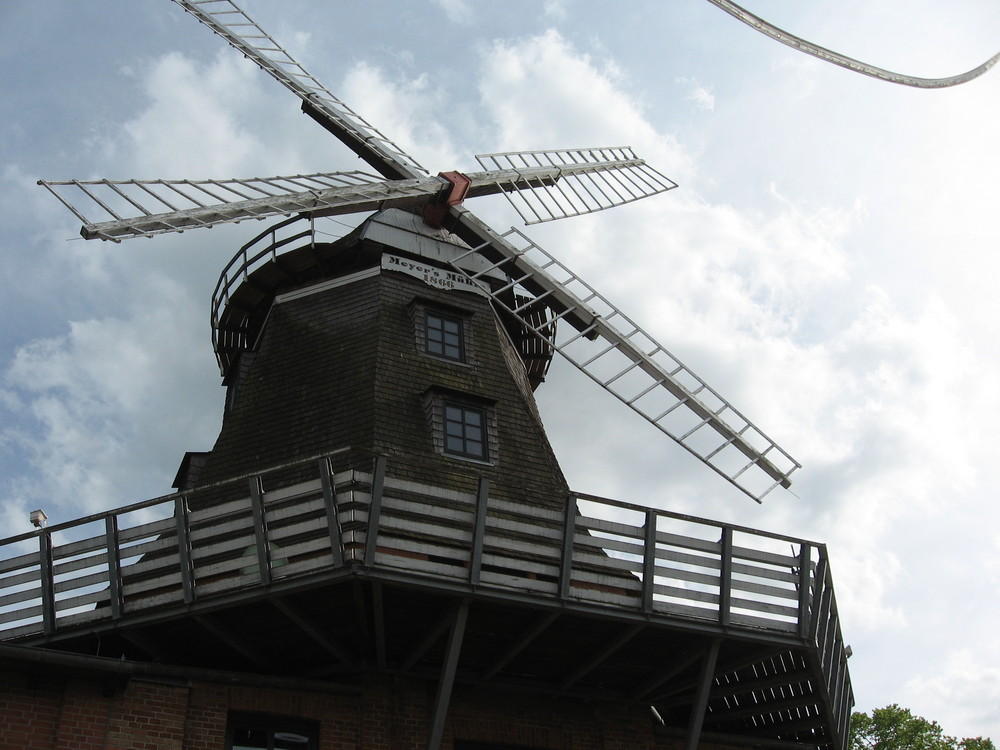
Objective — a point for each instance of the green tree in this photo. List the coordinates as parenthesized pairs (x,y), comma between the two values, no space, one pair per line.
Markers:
(895,728)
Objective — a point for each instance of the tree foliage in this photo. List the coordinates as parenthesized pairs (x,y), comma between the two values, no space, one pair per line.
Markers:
(895,728)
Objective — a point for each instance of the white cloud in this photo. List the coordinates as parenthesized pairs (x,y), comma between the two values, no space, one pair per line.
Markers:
(458,11)
(963,696)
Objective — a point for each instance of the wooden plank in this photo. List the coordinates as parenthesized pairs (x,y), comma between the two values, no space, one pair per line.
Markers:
(755,605)
(538,515)
(22,596)
(677,592)
(310,487)
(770,558)
(692,576)
(420,548)
(509,562)
(30,576)
(142,531)
(632,548)
(496,579)
(82,600)
(422,566)
(93,579)
(79,547)
(627,530)
(747,621)
(223,547)
(509,528)
(394,485)
(80,563)
(21,561)
(765,590)
(131,589)
(209,515)
(313,508)
(686,542)
(395,527)
(23,614)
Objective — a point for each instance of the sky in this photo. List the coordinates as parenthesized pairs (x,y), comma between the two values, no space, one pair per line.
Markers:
(828,263)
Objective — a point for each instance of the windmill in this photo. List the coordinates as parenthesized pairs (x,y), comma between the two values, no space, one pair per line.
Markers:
(541,185)
(382,504)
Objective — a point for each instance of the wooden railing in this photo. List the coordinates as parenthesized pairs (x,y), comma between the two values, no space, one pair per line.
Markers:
(598,553)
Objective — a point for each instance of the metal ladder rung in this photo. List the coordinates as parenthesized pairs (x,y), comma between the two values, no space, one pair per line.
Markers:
(656,420)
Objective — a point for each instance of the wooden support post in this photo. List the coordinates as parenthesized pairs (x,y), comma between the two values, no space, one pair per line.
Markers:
(805,570)
(649,562)
(569,535)
(184,558)
(479,531)
(332,517)
(447,681)
(700,704)
(374,510)
(114,566)
(821,603)
(45,574)
(260,530)
(726,577)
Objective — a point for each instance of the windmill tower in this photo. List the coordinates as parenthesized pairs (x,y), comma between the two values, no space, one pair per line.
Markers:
(381,550)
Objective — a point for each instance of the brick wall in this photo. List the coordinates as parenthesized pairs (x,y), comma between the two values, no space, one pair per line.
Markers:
(72,713)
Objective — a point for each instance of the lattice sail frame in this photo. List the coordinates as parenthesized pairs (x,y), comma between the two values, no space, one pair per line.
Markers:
(576,192)
(611,349)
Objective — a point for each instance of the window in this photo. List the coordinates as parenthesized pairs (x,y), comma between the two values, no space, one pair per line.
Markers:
(463,425)
(445,336)
(264,732)
(464,431)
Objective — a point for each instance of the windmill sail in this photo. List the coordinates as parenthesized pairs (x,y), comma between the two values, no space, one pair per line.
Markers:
(573,182)
(142,208)
(617,354)
(227,20)
(580,191)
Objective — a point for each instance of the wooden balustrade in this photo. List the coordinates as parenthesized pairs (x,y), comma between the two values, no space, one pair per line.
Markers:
(598,553)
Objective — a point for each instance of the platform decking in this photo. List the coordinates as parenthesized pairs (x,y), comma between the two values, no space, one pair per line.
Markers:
(601,558)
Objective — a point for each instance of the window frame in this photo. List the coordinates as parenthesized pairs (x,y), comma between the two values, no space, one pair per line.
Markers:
(465,410)
(459,333)
(272,724)
(437,400)
(460,318)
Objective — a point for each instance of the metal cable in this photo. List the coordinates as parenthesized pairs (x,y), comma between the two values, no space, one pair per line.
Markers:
(843,61)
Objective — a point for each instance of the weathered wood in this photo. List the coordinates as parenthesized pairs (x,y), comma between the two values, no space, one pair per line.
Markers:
(22,596)
(479,531)
(45,572)
(260,530)
(114,565)
(333,525)
(726,577)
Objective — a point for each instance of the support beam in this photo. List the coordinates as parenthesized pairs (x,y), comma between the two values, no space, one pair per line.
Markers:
(697,718)
(309,628)
(685,660)
(522,643)
(447,680)
(600,657)
(226,635)
(426,642)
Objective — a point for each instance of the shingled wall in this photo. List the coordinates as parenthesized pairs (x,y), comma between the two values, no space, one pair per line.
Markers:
(343,368)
